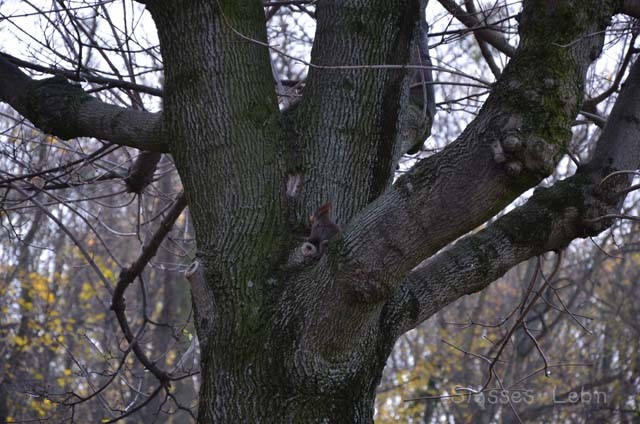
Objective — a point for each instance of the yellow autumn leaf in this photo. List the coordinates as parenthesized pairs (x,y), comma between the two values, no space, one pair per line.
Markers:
(87,292)
(48,340)
(27,306)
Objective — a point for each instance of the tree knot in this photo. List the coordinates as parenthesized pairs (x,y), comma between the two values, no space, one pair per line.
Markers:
(53,102)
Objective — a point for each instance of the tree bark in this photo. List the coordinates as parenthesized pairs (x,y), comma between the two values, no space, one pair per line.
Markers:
(289,338)
(63,109)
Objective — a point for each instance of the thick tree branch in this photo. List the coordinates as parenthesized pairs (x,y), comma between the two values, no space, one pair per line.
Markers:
(518,137)
(550,220)
(492,37)
(618,148)
(345,125)
(142,171)
(60,108)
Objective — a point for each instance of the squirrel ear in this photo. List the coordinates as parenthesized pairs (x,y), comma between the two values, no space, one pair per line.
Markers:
(324,209)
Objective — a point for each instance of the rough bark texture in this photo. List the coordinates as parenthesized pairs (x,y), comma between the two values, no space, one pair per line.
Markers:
(345,126)
(518,137)
(288,338)
(59,107)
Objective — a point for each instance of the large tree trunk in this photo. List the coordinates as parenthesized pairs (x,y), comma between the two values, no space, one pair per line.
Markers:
(271,351)
(287,338)
(293,338)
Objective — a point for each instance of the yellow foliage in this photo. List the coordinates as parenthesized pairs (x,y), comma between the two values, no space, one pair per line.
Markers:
(87,292)
(26,306)
(96,318)
(39,284)
(42,407)
(47,341)
(69,326)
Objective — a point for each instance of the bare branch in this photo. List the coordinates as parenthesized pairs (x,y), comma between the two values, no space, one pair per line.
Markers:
(596,119)
(127,276)
(138,407)
(484,48)
(60,224)
(83,76)
(492,37)
(591,104)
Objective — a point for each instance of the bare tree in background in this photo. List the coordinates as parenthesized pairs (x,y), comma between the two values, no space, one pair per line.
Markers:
(286,335)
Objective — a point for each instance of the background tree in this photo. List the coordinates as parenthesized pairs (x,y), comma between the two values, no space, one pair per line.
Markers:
(285,336)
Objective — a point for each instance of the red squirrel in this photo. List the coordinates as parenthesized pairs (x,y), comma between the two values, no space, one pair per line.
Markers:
(322,230)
